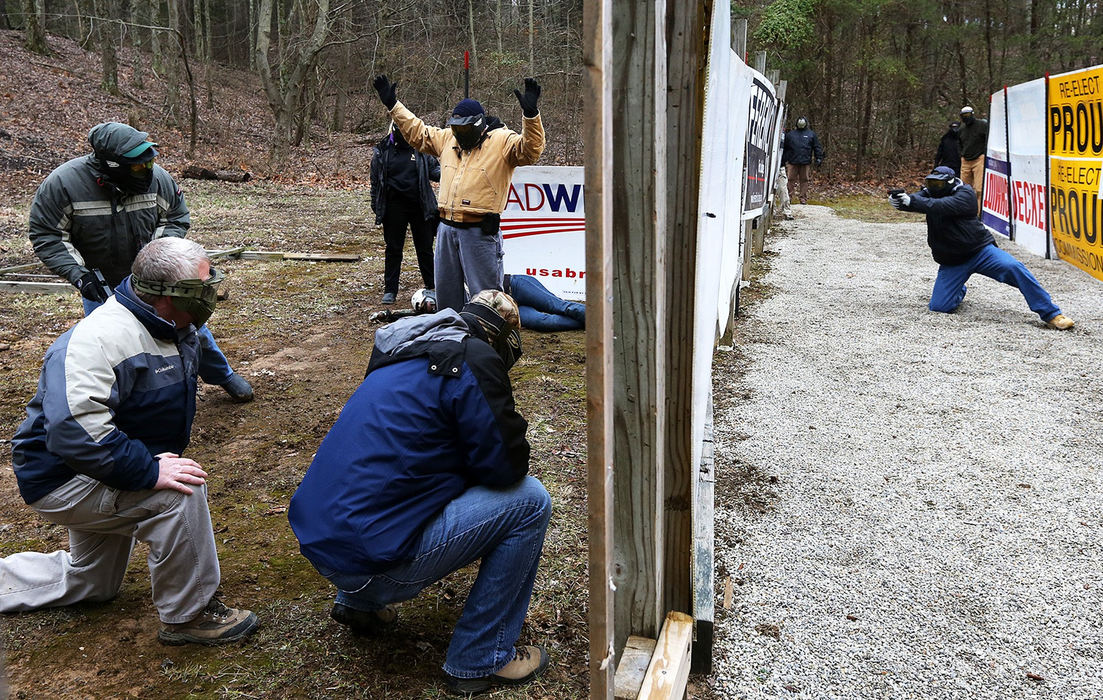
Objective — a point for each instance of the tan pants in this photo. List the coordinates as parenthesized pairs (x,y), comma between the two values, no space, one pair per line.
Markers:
(799,174)
(103,524)
(972,174)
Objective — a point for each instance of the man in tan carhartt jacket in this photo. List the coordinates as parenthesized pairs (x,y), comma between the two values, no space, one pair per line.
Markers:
(478,155)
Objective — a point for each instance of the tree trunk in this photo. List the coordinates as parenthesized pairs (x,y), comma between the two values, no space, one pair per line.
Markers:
(285,95)
(34,24)
(471,27)
(107,36)
(137,65)
(171,62)
(532,38)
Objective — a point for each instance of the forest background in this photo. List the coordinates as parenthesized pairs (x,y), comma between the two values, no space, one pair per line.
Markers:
(878,79)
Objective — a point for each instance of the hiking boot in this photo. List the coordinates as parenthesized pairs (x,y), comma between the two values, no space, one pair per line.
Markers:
(388,297)
(1061,322)
(528,663)
(217,624)
(239,390)
(364,622)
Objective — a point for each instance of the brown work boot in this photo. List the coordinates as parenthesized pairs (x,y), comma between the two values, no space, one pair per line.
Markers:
(528,663)
(1061,322)
(217,624)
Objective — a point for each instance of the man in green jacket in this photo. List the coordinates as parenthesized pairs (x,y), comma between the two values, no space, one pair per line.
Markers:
(92,215)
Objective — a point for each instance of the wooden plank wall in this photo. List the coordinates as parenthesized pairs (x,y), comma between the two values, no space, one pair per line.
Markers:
(597,133)
(639,357)
(687,30)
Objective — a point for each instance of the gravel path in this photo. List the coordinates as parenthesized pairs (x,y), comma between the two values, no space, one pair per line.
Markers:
(913,504)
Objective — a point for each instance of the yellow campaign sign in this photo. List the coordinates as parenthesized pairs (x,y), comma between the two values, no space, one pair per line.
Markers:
(1075,165)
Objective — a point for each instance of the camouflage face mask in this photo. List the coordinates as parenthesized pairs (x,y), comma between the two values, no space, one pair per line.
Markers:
(195,297)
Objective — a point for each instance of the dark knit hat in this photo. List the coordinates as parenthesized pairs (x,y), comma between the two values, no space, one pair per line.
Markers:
(468,108)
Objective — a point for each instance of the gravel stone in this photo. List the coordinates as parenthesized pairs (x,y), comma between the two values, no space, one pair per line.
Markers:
(914,500)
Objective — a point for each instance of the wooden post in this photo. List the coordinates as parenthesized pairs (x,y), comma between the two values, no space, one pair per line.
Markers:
(760,62)
(687,26)
(669,669)
(639,83)
(704,598)
(739,38)
(597,133)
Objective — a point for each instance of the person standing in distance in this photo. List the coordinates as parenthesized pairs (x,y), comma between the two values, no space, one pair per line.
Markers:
(478,155)
(800,148)
(973,137)
(961,245)
(94,213)
(949,149)
(402,197)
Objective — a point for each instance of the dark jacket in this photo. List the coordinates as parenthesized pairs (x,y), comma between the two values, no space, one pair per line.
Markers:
(115,390)
(949,152)
(800,146)
(953,231)
(428,169)
(973,138)
(77,213)
(433,417)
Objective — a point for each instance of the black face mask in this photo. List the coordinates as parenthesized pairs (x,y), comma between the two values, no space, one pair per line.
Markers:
(967,120)
(133,183)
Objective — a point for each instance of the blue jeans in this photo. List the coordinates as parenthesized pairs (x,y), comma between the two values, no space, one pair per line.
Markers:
(502,527)
(467,261)
(214,368)
(543,311)
(949,285)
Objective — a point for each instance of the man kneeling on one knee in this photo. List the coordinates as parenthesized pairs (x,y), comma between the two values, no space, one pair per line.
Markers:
(961,245)
(423,473)
(100,451)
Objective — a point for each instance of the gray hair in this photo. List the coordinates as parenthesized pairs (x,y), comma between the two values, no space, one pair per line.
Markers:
(168,259)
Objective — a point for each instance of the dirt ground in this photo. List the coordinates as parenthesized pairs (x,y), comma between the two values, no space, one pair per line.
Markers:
(299,331)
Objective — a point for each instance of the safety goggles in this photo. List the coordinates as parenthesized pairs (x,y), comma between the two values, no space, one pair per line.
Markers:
(936,186)
(204,290)
(139,168)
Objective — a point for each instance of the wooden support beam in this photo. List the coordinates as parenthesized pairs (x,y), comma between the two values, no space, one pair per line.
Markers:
(17,268)
(37,287)
(229,253)
(632,668)
(639,83)
(687,26)
(704,587)
(597,56)
(243,253)
(668,673)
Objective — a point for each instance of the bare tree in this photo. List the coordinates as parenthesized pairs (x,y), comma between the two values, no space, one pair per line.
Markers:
(285,83)
(34,23)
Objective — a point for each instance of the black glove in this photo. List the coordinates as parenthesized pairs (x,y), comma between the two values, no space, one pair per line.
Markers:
(490,224)
(92,288)
(819,162)
(528,100)
(386,90)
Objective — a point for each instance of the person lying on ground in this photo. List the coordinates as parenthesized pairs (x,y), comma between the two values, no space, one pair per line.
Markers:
(478,155)
(540,309)
(425,472)
(961,245)
(92,215)
(99,453)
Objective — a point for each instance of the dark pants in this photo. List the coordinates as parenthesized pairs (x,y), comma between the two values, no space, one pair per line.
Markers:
(400,214)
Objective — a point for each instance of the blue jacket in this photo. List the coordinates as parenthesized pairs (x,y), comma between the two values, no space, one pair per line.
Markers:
(800,147)
(433,417)
(953,231)
(115,390)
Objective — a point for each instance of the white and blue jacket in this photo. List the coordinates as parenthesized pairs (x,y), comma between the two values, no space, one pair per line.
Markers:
(115,390)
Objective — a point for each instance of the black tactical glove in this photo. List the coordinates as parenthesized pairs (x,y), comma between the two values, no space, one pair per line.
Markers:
(92,288)
(819,162)
(386,90)
(528,100)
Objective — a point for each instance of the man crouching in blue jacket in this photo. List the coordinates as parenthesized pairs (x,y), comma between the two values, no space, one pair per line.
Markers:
(961,245)
(423,473)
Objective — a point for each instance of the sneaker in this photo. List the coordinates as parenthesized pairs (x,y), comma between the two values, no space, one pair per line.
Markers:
(1061,322)
(388,297)
(217,624)
(238,389)
(528,663)
(364,622)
